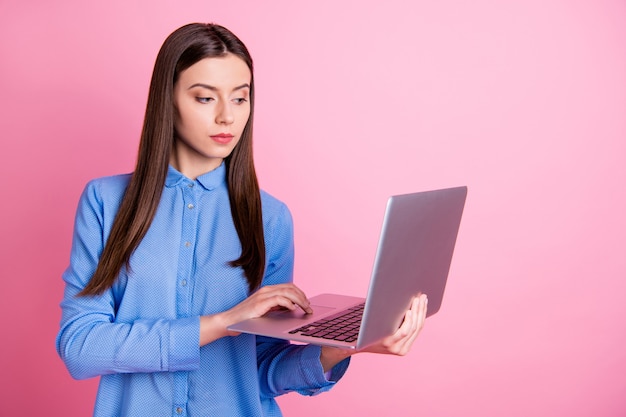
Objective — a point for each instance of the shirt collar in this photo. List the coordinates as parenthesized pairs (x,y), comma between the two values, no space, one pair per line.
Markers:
(209,181)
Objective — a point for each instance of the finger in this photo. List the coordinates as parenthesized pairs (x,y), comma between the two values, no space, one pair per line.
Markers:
(418,309)
(423,310)
(297,296)
(405,335)
(398,338)
(287,292)
(274,302)
(397,343)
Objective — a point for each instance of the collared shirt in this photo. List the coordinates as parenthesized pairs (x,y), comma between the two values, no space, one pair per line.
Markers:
(142,335)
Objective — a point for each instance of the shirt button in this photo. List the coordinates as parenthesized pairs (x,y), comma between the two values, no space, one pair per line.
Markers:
(179,410)
(190,185)
(187,244)
(190,205)
(183,283)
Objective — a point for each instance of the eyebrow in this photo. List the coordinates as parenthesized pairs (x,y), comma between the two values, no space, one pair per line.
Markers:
(212,88)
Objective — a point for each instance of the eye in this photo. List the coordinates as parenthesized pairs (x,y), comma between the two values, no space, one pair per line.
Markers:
(240,100)
(204,100)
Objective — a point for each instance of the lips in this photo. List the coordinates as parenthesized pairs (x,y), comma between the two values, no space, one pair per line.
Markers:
(222,138)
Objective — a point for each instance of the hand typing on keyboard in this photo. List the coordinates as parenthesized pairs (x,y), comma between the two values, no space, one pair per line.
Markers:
(267,298)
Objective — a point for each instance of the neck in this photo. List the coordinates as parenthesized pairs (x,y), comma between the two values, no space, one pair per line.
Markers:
(192,166)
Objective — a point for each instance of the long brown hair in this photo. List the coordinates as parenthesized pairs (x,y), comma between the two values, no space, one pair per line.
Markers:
(183,48)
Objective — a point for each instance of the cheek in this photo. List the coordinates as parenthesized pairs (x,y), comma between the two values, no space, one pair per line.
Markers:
(243,118)
(191,121)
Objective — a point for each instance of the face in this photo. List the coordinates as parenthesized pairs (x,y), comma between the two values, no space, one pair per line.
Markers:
(212,107)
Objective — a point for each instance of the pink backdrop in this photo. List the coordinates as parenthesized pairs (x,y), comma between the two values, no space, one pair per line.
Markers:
(523,101)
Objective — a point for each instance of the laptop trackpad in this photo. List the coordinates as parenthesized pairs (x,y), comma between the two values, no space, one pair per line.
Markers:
(318,311)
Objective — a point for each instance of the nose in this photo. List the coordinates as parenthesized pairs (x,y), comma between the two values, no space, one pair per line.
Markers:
(225,114)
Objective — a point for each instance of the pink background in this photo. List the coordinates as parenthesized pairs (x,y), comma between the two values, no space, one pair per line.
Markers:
(523,101)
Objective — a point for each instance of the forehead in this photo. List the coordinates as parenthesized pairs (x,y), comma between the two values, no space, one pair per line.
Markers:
(223,72)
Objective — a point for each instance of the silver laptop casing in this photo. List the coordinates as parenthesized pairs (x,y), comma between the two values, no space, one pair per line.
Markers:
(414,254)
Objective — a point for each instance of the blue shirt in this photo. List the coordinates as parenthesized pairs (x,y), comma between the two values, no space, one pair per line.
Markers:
(142,335)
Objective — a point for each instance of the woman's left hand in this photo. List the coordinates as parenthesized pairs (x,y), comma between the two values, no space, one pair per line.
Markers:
(401,341)
(398,343)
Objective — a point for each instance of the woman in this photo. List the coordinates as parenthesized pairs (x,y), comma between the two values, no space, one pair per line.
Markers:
(164,259)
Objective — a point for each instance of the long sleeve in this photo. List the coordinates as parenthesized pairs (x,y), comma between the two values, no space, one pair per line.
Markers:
(92,341)
(287,367)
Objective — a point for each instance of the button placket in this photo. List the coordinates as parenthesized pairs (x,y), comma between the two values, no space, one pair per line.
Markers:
(185,262)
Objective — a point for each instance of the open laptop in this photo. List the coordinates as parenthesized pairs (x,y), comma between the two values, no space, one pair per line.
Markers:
(413,256)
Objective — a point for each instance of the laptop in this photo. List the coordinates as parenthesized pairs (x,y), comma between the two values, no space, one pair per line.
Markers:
(414,254)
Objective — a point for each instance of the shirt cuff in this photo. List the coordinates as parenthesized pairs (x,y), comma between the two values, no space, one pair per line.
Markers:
(313,372)
(184,345)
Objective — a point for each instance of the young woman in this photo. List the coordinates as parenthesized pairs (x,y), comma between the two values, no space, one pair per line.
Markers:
(164,259)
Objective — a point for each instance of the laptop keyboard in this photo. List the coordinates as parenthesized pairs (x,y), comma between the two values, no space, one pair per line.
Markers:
(343,326)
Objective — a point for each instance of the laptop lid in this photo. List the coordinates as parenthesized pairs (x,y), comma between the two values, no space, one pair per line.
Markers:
(414,255)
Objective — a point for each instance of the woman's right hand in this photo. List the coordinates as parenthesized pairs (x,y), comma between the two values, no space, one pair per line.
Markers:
(265,299)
